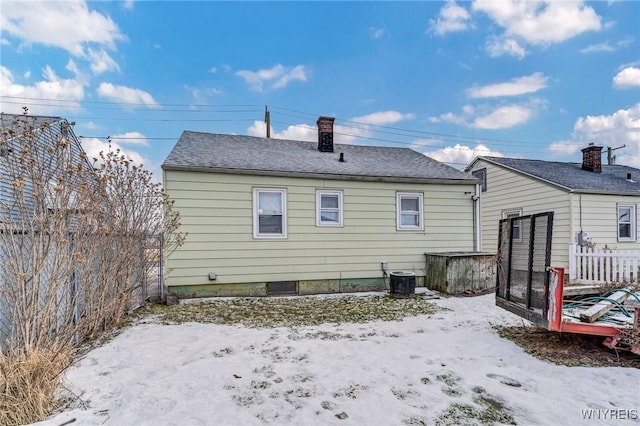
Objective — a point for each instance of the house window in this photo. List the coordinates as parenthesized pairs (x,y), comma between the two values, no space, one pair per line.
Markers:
(409,211)
(328,208)
(269,213)
(517,224)
(626,222)
(482,175)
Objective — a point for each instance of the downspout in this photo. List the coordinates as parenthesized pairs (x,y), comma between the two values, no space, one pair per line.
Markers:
(476,218)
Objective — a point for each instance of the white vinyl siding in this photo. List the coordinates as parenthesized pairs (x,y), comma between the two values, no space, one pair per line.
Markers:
(595,214)
(329,208)
(627,222)
(410,216)
(269,213)
(508,190)
(217,214)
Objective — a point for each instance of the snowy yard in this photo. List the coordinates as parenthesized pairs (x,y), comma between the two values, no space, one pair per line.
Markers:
(445,368)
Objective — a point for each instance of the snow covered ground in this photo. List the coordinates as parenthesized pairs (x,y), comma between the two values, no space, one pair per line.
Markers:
(448,368)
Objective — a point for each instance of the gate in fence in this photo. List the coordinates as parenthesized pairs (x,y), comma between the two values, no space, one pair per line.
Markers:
(150,285)
(523,260)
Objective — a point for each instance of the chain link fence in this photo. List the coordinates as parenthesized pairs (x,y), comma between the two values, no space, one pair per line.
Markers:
(147,287)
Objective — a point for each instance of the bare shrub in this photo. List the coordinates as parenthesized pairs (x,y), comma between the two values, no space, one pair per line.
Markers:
(75,239)
(28,384)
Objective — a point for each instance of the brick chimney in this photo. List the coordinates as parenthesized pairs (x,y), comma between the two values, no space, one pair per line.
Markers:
(325,134)
(592,158)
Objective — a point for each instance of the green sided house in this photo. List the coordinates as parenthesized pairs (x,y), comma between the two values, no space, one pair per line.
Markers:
(595,209)
(267,216)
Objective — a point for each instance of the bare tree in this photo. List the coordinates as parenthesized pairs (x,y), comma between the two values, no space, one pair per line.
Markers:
(75,246)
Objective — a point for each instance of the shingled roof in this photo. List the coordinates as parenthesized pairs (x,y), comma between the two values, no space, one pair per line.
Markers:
(210,152)
(571,177)
(17,122)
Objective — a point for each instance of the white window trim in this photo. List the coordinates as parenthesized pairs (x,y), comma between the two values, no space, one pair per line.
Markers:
(633,222)
(319,194)
(256,233)
(399,197)
(506,213)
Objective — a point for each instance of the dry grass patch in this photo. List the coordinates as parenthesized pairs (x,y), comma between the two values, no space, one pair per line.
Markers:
(567,348)
(28,384)
(293,311)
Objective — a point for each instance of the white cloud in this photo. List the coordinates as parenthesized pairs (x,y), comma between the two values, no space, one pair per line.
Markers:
(565,148)
(357,128)
(627,78)
(213,70)
(93,146)
(377,33)
(278,75)
(459,156)
(541,22)
(61,94)
(619,128)
(498,46)
(101,61)
(383,118)
(132,138)
(608,47)
(298,132)
(305,132)
(68,25)
(450,117)
(297,73)
(452,18)
(600,47)
(90,125)
(125,94)
(514,87)
(201,95)
(128,4)
(502,117)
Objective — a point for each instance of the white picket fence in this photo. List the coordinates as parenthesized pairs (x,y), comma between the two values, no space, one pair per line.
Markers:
(598,266)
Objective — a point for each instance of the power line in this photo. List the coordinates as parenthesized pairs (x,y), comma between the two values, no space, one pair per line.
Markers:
(349,124)
(420,132)
(129,138)
(127,104)
(392,141)
(161,120)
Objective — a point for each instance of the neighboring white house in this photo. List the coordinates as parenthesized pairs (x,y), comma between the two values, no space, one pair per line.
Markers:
(267,216)
(594,205)
(50,147)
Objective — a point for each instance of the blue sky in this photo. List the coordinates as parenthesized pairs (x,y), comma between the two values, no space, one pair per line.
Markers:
(450,79)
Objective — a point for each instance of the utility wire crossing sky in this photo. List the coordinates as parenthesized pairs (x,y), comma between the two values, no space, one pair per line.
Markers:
(453,80)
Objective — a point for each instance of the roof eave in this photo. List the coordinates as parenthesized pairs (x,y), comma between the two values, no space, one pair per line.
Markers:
(538,178)
(332,176)
(605,192)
